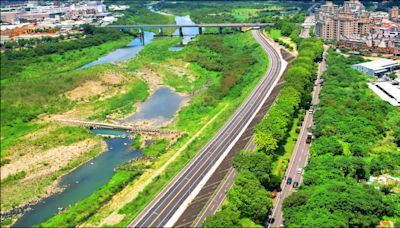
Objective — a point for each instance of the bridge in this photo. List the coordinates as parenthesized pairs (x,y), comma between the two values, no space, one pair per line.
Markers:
(199,26)
(134,129)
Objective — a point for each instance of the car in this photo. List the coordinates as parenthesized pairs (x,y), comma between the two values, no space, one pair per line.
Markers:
(309,138)
(295,184)
(310,111)
(289,180)
(271,220)
(299,170)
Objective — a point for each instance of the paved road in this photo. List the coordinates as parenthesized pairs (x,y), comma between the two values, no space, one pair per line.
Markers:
(308,22)
(299,157)
(166,208)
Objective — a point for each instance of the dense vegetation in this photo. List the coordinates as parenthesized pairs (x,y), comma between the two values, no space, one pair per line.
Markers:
(288,26)
(248,198)
(13,62)
(138,13)
(255,177)
(157,148)
(235,11)
(271,132)
(358,135)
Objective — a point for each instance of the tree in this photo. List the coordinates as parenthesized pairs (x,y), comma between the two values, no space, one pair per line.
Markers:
(228,216)
(326,144)
(347,203)
(266,142)
(258,163)
(392,75)
(250,197)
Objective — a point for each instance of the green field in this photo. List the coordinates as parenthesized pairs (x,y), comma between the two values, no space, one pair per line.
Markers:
(275,34)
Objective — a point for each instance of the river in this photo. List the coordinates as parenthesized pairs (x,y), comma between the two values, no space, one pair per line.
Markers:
(83,181)
(159,108)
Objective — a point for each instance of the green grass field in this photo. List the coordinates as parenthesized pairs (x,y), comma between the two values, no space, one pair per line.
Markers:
(275,33)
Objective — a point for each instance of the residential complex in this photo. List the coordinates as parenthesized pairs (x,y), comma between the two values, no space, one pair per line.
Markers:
(354,27)
(334,22)
(24,20)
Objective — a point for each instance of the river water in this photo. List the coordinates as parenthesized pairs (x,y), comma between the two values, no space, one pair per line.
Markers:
(123,54)
(159,108)
(83,181)
(87,178)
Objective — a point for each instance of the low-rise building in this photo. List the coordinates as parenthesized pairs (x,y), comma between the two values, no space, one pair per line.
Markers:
(377,68)
(387,91)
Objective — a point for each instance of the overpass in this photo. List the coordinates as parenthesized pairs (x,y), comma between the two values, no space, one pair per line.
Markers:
(199,26)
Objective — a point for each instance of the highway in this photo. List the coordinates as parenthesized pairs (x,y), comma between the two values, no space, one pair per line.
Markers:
(170,203)
(300,155)
(221,25)
(216,200)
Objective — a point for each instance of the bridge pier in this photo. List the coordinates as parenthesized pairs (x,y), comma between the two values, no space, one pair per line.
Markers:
(200,30)
(160,31)
(180,31)
(220,30)
(141,36)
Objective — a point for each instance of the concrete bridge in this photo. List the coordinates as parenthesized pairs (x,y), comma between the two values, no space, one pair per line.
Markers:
(199,26)
(134,129)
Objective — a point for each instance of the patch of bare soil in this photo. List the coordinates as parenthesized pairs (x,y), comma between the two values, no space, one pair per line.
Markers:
(86,90)
(152,77)
(37,164)
(92,88)
(112,77)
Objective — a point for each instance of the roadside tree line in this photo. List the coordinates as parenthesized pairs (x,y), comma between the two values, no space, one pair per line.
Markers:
(357,135)
(249,198)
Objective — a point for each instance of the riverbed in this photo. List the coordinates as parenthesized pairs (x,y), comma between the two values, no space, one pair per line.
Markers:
(159,108)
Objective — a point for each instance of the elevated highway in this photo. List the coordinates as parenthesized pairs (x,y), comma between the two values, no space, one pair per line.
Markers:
(171,202)
(220,26)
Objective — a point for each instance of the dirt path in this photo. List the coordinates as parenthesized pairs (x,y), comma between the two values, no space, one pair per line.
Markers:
(131,192)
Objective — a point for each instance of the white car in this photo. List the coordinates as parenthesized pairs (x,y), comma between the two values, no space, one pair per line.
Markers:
(299,170)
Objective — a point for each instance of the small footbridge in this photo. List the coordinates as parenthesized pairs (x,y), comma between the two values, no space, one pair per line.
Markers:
(134,129)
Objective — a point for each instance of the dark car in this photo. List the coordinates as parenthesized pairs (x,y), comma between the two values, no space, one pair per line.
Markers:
(271,220)
(309,138)
(295,184)
(289,180)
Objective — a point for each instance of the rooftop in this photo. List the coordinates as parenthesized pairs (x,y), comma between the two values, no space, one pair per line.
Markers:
(393,90)
(379,64)
(387,91)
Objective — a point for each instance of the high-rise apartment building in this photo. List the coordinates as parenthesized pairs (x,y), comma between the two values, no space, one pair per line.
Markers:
(338,22)
(394,12)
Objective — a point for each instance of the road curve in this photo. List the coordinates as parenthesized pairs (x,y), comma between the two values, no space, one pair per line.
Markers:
(164,207)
